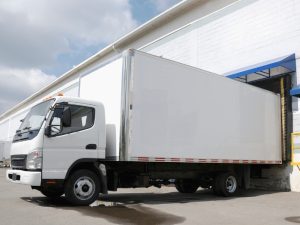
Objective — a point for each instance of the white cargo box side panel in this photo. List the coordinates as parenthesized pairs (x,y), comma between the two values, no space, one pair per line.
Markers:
(186,114)
(104,85)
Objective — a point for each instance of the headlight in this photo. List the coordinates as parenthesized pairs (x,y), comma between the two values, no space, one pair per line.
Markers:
(34,160)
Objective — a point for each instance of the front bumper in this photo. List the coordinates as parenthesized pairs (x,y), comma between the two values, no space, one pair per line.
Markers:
(32,178)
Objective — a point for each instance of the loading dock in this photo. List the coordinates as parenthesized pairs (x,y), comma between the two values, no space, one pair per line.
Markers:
(276,76)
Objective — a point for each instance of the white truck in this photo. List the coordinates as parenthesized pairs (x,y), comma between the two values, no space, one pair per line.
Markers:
(143,121)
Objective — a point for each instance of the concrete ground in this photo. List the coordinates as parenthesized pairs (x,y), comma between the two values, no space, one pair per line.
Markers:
(21,205)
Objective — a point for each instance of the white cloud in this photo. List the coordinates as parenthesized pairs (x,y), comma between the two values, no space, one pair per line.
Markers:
(34,33)
(16,84)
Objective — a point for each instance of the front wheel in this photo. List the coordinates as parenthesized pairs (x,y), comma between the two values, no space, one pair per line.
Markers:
(82,187)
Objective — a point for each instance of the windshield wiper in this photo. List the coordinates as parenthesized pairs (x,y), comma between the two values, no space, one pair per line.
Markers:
(18,132)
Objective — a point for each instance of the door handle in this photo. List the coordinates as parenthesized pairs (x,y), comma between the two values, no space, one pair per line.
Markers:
(91,146)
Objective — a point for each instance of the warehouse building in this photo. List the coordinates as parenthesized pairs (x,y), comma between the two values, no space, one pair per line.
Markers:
(252,41)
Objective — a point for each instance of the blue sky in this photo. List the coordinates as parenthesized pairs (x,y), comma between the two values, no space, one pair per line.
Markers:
(46,38)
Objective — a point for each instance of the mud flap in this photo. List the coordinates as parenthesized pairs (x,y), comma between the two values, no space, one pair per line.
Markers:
(103,178)
(246,177)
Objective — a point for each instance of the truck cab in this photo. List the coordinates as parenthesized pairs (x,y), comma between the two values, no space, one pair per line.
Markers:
(54,139)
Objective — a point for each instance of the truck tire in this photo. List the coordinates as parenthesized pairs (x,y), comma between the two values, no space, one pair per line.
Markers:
(225,184)
(52,193)
(186,186)
(82,187)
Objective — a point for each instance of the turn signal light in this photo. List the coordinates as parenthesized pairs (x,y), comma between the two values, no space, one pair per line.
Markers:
(47,98)
(51,182)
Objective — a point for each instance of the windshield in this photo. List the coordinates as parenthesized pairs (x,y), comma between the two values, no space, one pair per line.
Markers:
(36,116)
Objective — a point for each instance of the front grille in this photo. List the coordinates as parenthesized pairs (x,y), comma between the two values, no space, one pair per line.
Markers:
(18,161)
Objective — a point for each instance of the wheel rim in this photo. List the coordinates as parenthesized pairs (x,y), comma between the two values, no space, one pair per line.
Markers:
(231,184)
(84,188)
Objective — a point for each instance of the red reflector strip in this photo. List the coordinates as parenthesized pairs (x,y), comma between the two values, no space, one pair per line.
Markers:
(175,159)
(189,160)
(160,159)
(143,158)
(202,160)
(51,182)
(194,160)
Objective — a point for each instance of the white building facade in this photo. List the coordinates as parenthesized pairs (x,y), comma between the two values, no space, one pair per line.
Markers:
(248,40)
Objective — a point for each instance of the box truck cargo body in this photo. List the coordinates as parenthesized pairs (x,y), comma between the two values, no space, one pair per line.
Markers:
(173,112)
(142,120)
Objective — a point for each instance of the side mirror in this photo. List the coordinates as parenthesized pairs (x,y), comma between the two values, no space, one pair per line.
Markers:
(48,131)
(66,117)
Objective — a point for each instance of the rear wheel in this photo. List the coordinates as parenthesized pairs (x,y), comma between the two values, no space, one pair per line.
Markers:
(186,186)
(225,184)
(82,187)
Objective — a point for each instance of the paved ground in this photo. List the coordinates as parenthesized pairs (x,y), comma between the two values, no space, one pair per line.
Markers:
(21,205)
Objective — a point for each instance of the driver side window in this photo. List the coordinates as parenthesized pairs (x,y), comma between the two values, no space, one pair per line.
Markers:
(82,118)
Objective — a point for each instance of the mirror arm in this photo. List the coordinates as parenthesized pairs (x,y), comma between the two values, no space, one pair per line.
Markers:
(47,131)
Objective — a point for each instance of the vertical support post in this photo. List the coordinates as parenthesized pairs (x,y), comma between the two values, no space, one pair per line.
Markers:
(283,118)
(292,145)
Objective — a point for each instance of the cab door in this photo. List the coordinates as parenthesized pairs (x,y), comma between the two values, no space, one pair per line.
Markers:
(65,144)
